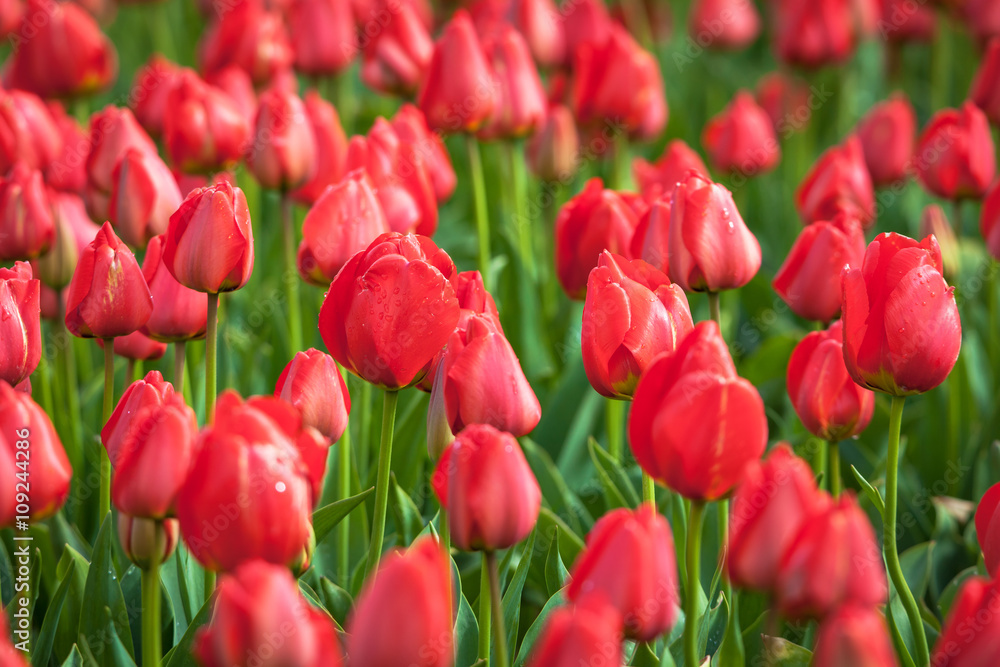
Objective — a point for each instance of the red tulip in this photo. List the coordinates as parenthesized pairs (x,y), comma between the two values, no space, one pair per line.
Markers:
(833,560)
(403,615)
(68,171)
(724,24)
(144,194)
(150,90)
(322,36)
(989,221)
(854,636)
(206,130)
(902,331)
(312,383)
(74,232)
(887,138)
(808,281)
(695,425)
(553,151)
(588,22)
(982,18)
(741,139)
(631,315)
(209,242)
(955,155)
(904,21)
(458,99)
(787,101)
(28,131)
(629,558)
(261,618)
(20,322)
(520,104)
(711,248)
(984,87)
(395,59)
(543,29)
(283,153)
(26,224)
(179,313)
(410,125)
(814,33)
(113,132)
(239,87)
(838,182)
(588,224)
(331,148)
(143,540)
(656,180)
(60,52)
(390,310)
(988,528)
(137,346)
(585,633)
(9,655)
(23,421)
(971,634)
(249,36)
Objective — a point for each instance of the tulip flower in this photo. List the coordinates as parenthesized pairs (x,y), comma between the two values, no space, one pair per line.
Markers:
(838,182)
(73,233)
(330,148)
(404,614)
(282,154)
(970,634)
(28,131)
(988,528)
(322,36)
(813,34)
(787,100)
(589,22)
(629,558)
(249,36)
(552,152)
(145,395)
(312,383)
(239,87)
(206,130)
(724,24)
(395,60)
(144,194)
(146,541)
(711,248)
(983,18)
(543,30)
(955,155)
(150,90)
(989,221)
(179,313)
(887,138)
(67,173)
(521,104)
(905,22)
(9,655)
(854,635)
(136,346)
(741,139)
(411,127)
(585,633)
(808,281)
(656,180)
(775,499)
(26,224)
(261,618)
(20,323)
(113,132)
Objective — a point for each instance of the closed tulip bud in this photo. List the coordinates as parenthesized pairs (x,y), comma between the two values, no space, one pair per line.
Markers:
(206,129)
(249,36)
(396,59)
(808,281)
(814,34)
(150,90)
(144,194)
(145,395)
(9,655)
(724,24)
(587,23)
(68,171)
(28,132)
(656,180)
(113,132)
(411,127)
(786,100)
(319,31)
(955,155)
(982,18)
(833,560)
(403,615)
(20,322)
(144,540)
(887,134)
(695,425)
(330,147)
(23,426)
(587,632)
(906,22)
(108,297)
(26,223)
(521,104)
(741,139)
(282,154)
(984,91)
(312,383)
(209,242)
(934,221)
(239,87)
(74,232)
(588,224)
(988,529)
(711,248)
(989,221)
(838,182)
(542,26)
(969,636)
(629,559)
(179,313)
(552,152)
(66,54)
(137,346)
(261,618)
(854,636)
(902,332)
(632,314)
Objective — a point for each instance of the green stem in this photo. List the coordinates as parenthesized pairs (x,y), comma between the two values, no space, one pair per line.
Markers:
(889,533)
(209,584)
(152,650)
(179,352)
(291,277)
(821,466)
(485,602)
(714,310)
(162,36)
(833,463)
(691,610)
(211,348)
(344,465)
(444,531)
(109,404)
(515,155)
(364,441)
(956,218)
(500,636)
(64,342)
(382,485)
(621,166)
(648,489)
(482,215)
(615,418)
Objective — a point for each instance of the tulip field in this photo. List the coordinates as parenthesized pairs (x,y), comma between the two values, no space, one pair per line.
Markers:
(499,333)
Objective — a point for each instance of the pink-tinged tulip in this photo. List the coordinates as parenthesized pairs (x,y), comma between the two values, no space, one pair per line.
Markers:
(982,17)
(411,127)
(887,137)
(323,38)
(521,104)
(282,154)
(776,497)
(629,558)
(787,100)
(587,23)
(205,130)
(260,470)
(209,242)
(695,425)
(656,180)
(144,194)
(854,636)
(711,248)
(261,618)
(481,463)
(330,148)
(830,404)
(552,152)
(238,85)
(60,52)
(904,21)
(988,528)
(137,346)
(902,331)
(390,310)
(73,233)
(955,156)
(27,228)
(68,171)
(344,221)
(143,540)
(543,29)
(249,36)
(108,297)
(971,635)
(632,314)
(395,60)
(833,560)
(113,132)
(28,132)
(934,221)
(11,12)
(585,633)
(458,99)
(741,139)
(724,24)
(588,224)
(404,613)
(814,33)
(809,280)
(838,182)
(312,383)
(20,322)
(985,91)
(179,313)
(989,221)
(150,90)
(155,449)
(618,84)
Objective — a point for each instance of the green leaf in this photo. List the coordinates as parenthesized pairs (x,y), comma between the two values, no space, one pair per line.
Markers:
(74,659)
(512,597)
(870,491)
(101,592)
(47,635)
(409,523)
(644,656)
(570,544)
(783,653)
(555,492)
(617,488)
(181,656)
(6,576)
(916,565)
(74,567)
(118,655)
(555,570)
(325,519)
(467,633)
(951,590)
(536,627)
(336,600)
(731,651)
